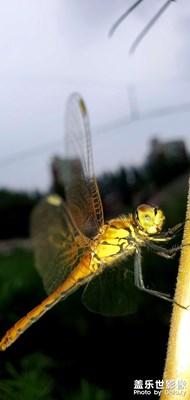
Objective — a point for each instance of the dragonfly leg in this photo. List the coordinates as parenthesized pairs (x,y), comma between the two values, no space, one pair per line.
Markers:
(171,233)
(162,251)
(139,282)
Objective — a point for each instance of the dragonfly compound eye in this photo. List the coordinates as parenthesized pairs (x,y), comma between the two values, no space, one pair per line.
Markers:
(147,217)
(150,219)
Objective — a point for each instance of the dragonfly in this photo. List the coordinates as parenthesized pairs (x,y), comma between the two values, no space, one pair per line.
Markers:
(73,244)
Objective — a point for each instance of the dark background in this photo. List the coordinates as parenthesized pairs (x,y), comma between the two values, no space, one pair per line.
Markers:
(72,353)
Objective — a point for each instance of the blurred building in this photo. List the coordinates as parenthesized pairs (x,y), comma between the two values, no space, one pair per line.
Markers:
(174,151)
(57,170)
(60,172)
(166,161)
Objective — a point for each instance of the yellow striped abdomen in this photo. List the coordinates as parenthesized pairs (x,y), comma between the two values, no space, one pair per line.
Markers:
(81,272)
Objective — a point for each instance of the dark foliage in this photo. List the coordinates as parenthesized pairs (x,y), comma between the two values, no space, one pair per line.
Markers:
(15,210)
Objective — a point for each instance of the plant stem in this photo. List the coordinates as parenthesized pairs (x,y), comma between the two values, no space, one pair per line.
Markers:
(177,368)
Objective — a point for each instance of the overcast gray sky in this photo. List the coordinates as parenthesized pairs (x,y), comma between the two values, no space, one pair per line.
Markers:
(50,48)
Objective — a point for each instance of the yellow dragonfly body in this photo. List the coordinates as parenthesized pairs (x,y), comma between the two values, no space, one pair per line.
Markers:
(72,243)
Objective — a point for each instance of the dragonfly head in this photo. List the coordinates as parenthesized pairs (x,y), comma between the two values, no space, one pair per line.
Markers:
(149,218)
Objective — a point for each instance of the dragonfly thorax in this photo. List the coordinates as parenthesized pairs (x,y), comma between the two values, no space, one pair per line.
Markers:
(118,238)
(124,235)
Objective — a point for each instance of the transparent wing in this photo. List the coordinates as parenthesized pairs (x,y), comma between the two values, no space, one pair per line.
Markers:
(58,245)
(113,292)
(80,184)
